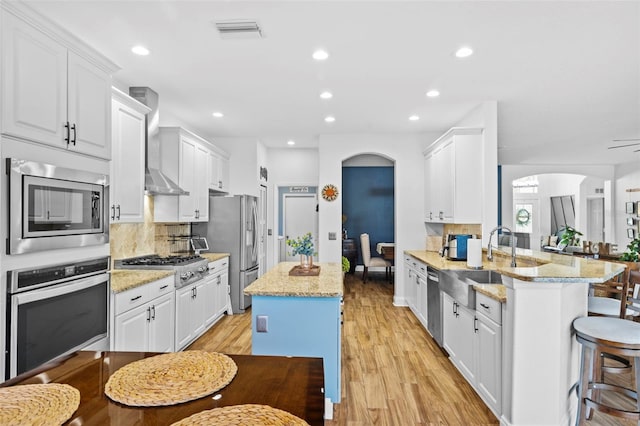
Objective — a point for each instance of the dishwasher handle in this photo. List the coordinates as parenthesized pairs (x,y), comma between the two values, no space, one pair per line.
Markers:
(432,275)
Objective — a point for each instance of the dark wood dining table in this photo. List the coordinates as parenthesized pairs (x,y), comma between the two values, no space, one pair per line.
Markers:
(292,384)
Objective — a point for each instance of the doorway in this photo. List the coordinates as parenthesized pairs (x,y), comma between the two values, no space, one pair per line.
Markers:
(262,231)
(300,216)
(595,219)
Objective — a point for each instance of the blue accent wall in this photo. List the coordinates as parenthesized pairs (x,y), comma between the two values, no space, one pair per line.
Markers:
(367,201)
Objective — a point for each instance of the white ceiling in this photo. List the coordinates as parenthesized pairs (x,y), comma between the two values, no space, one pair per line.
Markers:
(566,75)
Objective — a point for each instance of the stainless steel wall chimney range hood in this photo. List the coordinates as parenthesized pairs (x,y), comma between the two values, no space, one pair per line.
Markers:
(156,183)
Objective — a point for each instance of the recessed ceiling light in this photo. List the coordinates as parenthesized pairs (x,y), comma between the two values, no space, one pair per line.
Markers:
(320,55)
(329,119)
(433,94)
(463,52)
(291,142)
(326,95)
(414,118)
(218,114)
(140,50)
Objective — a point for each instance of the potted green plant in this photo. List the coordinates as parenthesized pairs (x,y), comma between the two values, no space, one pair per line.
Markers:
(571,237)
(346,265)
(633,251)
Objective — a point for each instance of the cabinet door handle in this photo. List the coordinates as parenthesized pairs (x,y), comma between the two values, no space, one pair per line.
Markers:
(148,314)
(133,299)
(118,209)
(113,212)
(475,324)
(485,306)
(68,138)
(73,140)
(153,310)
(164,286)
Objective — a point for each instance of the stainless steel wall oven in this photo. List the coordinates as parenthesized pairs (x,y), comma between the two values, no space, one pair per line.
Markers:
(53,207)
(54,310)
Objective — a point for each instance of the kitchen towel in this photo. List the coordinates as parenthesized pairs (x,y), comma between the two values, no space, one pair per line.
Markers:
(474,253)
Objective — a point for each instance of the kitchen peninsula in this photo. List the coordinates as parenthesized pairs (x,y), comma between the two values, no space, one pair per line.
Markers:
(300,316)
(540,354)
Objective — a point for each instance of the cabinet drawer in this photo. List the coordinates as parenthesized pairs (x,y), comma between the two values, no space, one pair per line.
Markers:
(408,259)
(160,287)
(489,307)
(131,299)
(218,266)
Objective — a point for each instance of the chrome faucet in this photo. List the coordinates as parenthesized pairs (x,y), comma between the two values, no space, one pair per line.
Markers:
(513,245)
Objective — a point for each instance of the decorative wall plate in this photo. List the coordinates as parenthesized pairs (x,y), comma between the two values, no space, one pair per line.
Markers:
(329,192)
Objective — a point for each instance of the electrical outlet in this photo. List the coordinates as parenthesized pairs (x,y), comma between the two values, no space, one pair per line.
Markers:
(262,323)
(332,235)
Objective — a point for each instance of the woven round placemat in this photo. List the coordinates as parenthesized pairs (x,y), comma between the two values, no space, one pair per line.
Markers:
(41,404)
(170,378)
(247,414)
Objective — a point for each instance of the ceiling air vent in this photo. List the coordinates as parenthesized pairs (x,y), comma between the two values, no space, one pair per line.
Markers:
(239,28)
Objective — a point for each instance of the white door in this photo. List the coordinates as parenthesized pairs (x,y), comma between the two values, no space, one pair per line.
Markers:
(595,219)
(300,217)
(262,230)
(132,330)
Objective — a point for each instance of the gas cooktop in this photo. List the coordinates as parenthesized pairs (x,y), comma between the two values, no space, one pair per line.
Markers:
(188,268)
(156,260)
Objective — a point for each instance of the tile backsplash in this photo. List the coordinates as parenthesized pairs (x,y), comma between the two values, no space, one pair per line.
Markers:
(139,239)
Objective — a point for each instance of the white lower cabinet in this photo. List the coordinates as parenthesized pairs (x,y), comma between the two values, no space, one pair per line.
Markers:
(144,318)
(459,336)
(220,273)
(489,376)
(191,302)
(415,279)
(473,340)
(201,304)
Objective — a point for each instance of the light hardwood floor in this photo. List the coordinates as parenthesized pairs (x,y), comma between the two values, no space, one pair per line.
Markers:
(393,372)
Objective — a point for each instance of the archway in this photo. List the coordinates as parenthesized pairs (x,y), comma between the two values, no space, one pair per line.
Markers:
(368,204)
(543,204)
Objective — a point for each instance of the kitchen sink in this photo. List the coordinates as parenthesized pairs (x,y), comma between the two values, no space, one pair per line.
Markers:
(459,284)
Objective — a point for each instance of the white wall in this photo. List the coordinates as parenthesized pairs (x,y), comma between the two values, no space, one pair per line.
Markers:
(406,151)
(243,164)
(287,167)
(627,177)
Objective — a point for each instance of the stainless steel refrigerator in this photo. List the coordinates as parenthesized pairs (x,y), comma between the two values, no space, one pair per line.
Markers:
(232,228)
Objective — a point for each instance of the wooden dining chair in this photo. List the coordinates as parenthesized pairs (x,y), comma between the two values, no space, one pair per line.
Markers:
(607,296)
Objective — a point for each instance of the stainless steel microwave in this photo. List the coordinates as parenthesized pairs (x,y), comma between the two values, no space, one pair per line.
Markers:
(53,207)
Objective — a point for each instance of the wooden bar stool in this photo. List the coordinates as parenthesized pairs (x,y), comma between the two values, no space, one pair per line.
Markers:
(613,336)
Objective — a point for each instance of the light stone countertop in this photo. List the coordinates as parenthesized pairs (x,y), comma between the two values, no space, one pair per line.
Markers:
(212,257)
(532,266)
(495,291)
(277,282)
(126,279)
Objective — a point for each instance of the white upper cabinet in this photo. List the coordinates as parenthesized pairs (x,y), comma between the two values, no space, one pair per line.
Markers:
(50,93)
(219,172)
(453,177)
(127,168)
(184,158)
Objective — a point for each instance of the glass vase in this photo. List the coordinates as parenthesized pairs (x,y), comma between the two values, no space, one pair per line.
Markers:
(306,262)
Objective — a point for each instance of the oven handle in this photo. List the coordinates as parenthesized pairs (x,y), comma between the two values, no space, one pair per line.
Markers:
(59,289)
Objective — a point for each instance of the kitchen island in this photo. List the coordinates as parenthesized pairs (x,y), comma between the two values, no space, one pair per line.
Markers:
(300,316)
(544,294)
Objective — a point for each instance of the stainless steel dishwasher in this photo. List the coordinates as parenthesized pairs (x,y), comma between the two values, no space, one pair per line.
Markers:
(434,318)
